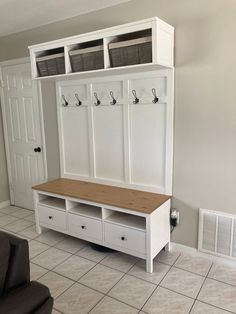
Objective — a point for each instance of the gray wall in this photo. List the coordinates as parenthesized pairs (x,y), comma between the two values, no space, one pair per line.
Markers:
(205,110)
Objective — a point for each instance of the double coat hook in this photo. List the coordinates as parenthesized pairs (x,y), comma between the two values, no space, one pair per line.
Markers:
(114,101)
(65,104)
(156,99)
(136,99)
(98,102)
(79,103)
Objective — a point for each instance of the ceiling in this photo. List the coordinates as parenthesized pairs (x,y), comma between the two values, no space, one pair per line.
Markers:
(20,15)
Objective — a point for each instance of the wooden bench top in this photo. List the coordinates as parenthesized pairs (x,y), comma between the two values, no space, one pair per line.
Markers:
(140,201)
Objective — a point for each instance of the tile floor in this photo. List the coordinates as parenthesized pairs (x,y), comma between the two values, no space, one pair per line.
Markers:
(82,280)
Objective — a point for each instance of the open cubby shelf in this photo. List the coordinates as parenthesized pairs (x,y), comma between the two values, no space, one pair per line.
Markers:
(127,220)
(54,202)
(86,210)
(145,42)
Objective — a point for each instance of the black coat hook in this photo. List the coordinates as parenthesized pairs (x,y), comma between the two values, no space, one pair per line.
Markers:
(79,103)
(156,99)
(65,101)
(114,101)
(136,100)
(98,102)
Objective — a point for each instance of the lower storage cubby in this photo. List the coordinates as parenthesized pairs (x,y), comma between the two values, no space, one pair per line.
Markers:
(85,227)
(52,217)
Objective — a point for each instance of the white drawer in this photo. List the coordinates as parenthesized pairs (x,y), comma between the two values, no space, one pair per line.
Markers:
(51,216)
(125,237)
(85,227)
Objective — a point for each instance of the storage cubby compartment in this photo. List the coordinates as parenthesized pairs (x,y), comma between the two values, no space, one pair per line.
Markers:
(130,49)
(90,211)
(54,202)
(51,62)
(87,56)
(124,219)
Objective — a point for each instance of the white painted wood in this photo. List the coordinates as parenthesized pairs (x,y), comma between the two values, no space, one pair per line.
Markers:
(125,237)
(162,44)
(85,227)
(144,235)
(50,216)
(22,118)
(5,204)
(124,144)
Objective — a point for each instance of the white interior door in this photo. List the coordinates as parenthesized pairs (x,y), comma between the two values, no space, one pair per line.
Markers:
(21,113)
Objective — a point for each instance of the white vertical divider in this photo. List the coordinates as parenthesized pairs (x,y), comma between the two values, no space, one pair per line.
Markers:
(68,68)
(92,161)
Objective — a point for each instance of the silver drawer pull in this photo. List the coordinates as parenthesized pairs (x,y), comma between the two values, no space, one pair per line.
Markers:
(123,238)
(50,217)
(83,227)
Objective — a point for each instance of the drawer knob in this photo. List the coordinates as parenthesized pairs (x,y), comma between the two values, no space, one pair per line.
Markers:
(50,217)
(123,238)
(83,227)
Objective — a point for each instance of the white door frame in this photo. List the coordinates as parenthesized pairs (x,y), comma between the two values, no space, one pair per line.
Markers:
(2,65)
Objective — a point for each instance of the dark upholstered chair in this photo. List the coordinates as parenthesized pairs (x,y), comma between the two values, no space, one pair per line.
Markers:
(19,295)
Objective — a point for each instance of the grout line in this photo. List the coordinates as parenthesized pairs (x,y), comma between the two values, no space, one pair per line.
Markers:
(217,307)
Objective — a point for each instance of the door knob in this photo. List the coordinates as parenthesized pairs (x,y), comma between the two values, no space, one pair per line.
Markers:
(37,149)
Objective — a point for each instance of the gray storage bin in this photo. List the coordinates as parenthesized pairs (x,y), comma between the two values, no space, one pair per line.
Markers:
(87,59)
(130,52)
(51,64)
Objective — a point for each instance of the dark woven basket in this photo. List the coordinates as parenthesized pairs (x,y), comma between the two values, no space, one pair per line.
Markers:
(131,52)
(87,59)
(51,65)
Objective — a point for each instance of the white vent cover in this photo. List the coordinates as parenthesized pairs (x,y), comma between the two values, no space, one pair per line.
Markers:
(217,233)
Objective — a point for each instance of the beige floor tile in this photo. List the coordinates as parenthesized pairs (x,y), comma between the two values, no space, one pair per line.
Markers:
(74,267)
(101,278)
(119,261)
(29,232)
(218,294)
(202,308)
(36,271)
(55,312)
(30,218)
(223,272)
(159,271)
(18,225)
(50,237)
(195,264)
(71,245)
(168,302)
(132,291)
(112,306)
(166,257)
(22,213)
(6,220)
(183,282)
(57,284)
(77,300)
(35,248)
(51,258)
(91,254)
(9,210)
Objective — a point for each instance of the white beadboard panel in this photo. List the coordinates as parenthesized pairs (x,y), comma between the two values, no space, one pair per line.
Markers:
(143,87)
(75,139)
(70,93)
(103,90)
(147,144)
(108,142)
(209,232)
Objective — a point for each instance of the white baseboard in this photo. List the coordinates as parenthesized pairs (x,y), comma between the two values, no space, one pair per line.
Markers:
(5,204)
(190,250)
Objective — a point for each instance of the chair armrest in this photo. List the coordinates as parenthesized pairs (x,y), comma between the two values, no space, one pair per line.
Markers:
(28,299)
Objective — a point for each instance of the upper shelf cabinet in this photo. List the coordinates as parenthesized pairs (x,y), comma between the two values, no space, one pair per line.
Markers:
(148,43)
